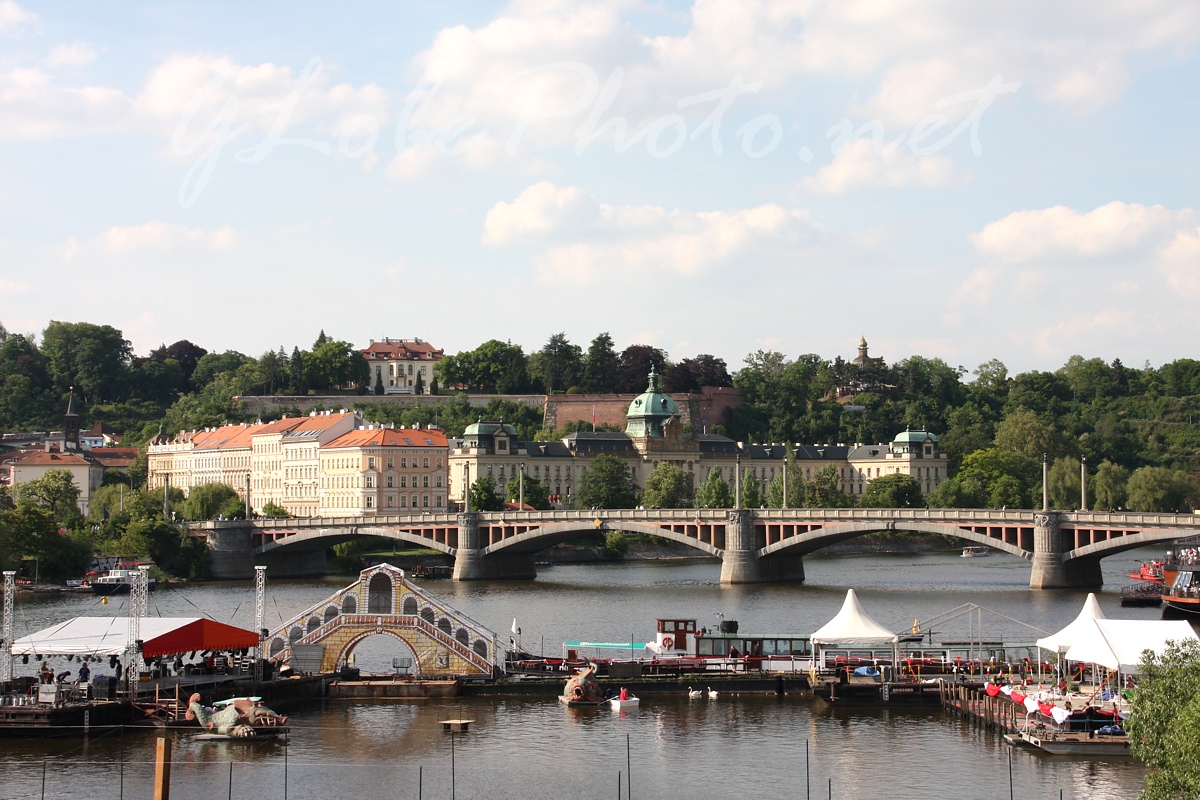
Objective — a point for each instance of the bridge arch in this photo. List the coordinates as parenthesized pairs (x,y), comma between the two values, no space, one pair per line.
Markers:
(327,537)
(805,543)
(550,535)
(379,593)
(357,639)
(1128,542)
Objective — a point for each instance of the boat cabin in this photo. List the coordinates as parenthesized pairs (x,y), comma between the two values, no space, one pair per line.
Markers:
(681,636)
(675,635)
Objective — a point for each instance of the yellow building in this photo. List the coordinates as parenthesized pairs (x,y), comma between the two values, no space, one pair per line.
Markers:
(384,470)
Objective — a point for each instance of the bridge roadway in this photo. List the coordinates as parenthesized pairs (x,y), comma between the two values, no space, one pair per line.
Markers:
(754,545)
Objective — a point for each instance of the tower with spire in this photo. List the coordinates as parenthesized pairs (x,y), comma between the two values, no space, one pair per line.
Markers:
(71,424)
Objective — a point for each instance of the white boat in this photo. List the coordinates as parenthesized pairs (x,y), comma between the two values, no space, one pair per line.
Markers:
(976,552)
(624,705)
(118,581)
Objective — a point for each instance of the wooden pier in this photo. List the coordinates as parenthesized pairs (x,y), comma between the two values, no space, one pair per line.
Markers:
(973,703)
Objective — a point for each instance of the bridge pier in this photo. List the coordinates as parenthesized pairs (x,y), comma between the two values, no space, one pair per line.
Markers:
(740,562)
(1050,569)
(231,555)
(472,564)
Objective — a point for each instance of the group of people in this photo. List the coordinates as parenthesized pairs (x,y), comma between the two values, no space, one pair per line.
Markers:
(46,674)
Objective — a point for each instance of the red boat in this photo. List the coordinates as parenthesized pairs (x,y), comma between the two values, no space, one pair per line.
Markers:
(1150,572)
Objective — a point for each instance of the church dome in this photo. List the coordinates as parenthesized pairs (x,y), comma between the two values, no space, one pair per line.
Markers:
(650,410)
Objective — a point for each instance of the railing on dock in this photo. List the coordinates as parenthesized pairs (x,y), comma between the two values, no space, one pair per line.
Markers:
(972,703)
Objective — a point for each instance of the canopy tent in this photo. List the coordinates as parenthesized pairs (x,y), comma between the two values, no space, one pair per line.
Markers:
(109,636)
(1081,626)
(1118,643)
(853,626)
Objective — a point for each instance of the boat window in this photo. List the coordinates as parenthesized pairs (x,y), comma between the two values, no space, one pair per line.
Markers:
(768,647)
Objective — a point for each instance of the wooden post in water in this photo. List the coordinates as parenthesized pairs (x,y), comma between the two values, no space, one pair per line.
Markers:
(162,769)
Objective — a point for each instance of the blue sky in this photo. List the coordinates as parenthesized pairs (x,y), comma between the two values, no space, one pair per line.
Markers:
(967,181)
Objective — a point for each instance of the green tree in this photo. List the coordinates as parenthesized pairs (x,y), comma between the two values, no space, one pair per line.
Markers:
(1160,489)
(93,358)
(536,494)
(667,486)
(211,365)
(795,487)
(558,365)
(636,362)
(959,492)
(691,374)
(1164,721)
(606,483)
(1027,433)
(893,491)
(989,466)
(55,491)
(752,495)
(484,496)
(822,491)
(207,500)
(714,492)
(273,511)
(1064,483)
(1108,487)
(616,544)
(1006,493)
(493,367)
(601,365)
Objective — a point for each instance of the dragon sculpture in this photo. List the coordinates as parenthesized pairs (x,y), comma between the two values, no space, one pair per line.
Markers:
(583,689)
(241,718)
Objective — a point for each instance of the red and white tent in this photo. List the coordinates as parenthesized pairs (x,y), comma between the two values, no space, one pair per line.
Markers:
(109,636)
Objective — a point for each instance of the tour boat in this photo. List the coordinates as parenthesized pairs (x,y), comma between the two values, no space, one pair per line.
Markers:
(1183,595)
(117,581)
(975,551)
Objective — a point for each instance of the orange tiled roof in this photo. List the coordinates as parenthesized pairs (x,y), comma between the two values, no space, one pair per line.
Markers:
(417,351)
(390,437)
(40,458)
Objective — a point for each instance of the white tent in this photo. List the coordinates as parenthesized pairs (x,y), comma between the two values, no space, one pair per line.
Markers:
(108,636)
(853,626)
(1118,643)
(1082,625)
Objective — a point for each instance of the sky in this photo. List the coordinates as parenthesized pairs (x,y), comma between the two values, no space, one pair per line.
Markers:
(965,181)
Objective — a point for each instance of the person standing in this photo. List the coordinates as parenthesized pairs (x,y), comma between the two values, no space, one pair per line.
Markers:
(85,673)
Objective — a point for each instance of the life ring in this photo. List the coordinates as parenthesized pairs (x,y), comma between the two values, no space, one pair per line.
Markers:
(577,692)
(668,642)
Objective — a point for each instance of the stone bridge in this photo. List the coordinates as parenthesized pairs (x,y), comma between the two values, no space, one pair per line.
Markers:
(754,545)
(441,640)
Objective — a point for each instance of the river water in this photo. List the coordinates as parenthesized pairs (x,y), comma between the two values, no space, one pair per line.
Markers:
(731,747)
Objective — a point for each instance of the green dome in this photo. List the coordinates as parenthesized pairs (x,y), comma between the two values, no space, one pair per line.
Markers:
(914,436)
(650,410)
(482,428)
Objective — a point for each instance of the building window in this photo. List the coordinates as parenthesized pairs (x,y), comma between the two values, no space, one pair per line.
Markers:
(403,463)
(403,481)
(404,501)
(390,481)
(371,462)
(390,464)
(391,501)
(425,500)
(439,481)
(439,501)
(370,501)
(425,481)
(425,463)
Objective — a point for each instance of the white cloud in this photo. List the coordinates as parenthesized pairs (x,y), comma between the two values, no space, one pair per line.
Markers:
(860,165)
(13,287)
(13,16)
(1110,231)
(190,97)
(160,235)
(1179,263)
(77,54)
(585,241)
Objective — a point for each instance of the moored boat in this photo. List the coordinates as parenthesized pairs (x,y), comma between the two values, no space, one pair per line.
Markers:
(976,551)
(118,581)
(583,689)
(1142,595)
(1183,595)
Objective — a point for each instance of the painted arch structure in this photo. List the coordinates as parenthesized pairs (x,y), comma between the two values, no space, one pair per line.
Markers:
(444,642)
